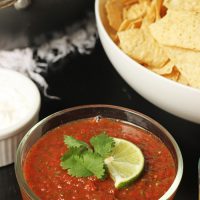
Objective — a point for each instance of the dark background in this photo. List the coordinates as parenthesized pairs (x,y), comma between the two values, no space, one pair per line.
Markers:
(19,29)
(90,79)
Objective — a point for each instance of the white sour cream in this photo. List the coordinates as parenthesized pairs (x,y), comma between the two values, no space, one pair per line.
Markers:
(14,105)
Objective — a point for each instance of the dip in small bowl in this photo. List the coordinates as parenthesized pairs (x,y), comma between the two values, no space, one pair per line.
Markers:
(19,111)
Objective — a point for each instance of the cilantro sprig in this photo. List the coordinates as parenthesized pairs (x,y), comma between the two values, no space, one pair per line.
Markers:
(83,160)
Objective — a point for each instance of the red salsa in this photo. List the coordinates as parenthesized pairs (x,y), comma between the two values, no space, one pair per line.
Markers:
(49,181)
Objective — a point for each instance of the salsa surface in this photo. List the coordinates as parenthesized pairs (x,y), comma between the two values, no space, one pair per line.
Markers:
(50,182)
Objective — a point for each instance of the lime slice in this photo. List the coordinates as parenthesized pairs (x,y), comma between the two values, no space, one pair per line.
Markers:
(125,164)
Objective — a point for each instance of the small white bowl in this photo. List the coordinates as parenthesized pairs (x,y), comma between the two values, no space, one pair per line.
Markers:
(19,110)
(180,100)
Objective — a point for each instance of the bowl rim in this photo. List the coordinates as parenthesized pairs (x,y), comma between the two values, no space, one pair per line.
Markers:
(18,168)
(137,64)
(32,112)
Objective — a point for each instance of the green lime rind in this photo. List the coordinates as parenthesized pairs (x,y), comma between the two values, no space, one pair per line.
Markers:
(125,164)
(128,183)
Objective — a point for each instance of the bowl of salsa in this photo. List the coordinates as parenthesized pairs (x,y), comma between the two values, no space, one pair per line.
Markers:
(98,152)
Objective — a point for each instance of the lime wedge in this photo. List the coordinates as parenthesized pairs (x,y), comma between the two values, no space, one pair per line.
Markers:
(125,164)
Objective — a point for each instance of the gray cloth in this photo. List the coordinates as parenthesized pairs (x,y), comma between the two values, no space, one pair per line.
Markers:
(34,61)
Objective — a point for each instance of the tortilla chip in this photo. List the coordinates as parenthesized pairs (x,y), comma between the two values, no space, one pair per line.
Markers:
(114,37)
(178,29)
(151,14)
(140,45)
(169,71)
(191,73)
(136,11)
(138,23)
(174,75)
(187,5)
(114,10)
(165,70)
(128,2)
(182,80)
(187,62)
(158,6)
(179,55)
(126,24)
(145,1)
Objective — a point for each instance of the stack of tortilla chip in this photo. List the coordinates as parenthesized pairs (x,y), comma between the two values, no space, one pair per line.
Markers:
(164,36)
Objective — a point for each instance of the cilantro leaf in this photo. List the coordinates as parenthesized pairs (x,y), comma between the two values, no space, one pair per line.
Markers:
(82,161)
(75,166)
(72,142)
(86,164)
(68,154)
(94,163)
(103,144)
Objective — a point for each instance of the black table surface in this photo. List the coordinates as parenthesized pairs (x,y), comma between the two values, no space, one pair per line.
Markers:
(92,79)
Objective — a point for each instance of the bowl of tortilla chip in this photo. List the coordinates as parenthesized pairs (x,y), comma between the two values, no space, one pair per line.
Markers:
(154,46)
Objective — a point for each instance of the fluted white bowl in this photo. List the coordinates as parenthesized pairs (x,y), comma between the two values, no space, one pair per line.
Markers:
(12,133)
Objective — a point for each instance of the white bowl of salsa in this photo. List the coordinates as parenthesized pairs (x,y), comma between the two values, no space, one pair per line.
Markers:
(40,175)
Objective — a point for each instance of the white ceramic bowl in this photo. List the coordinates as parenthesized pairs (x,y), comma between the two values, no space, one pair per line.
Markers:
(19,110)
(180,100)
